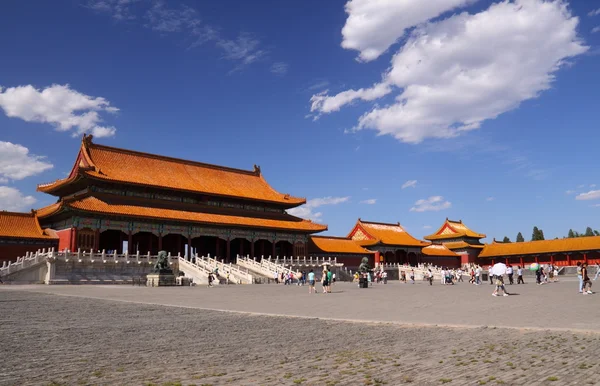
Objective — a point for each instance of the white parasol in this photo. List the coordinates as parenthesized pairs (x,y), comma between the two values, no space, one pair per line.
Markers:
(498,269)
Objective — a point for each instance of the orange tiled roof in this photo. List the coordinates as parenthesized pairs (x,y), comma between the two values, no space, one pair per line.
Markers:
(95,205)
(369,233)
(452,229)
(132,167)
(438,250)
(21,225)
(591,243)
(461,244)
(338,245)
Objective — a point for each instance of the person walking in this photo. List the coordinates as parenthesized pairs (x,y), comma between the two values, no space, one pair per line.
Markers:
(580,277)
(509,272)
(597,271)
(430,276)
(587,283)
(477,275)
(491,277)
(412,276)
(520,275)
(311,282)
(500,286)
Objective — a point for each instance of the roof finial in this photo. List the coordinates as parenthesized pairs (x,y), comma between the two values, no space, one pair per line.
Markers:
(87,139)
(256,169)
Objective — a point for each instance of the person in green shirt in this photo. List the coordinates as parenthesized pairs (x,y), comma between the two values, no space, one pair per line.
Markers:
(329,280)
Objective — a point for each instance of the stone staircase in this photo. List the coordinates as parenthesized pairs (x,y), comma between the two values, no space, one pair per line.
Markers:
(237,275)
(265,267)
(197,272)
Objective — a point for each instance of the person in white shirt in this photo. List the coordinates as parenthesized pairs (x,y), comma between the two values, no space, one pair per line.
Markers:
(443,273)
(477,275)
(459,274)
(520,275)
(509,272)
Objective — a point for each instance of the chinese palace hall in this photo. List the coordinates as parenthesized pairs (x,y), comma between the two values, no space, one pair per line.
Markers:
(120,200)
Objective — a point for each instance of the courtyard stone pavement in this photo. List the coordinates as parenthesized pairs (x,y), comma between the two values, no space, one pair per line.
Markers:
(280,335)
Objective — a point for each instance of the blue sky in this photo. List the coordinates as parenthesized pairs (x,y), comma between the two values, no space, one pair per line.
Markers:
(479,117)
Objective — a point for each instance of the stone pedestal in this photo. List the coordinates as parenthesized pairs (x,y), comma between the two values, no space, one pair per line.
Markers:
(160,280)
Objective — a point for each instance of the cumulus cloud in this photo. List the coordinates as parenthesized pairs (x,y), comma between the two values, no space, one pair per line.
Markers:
(456,73)
(596,29)
(409,184)
(374,25)
(60,106)
(371,201)
(426,226)
(591,195)
(16,163)
(595,12)
(307,210)
(431,204)
(13,200)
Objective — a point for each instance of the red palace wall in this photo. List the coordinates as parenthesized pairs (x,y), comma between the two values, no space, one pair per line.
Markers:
(10,252)
(65,239)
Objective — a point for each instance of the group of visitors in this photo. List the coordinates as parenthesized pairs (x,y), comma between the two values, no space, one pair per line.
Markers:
(327,280)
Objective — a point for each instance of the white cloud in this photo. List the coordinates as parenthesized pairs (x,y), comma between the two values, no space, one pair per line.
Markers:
(456,73)
(591,195)
(16,163)
(324,103)
(371,201)
(306,210)
(280,68)
(490,198)
(570,191)
(409,184)
(431,204)
(12,199)
(595,12)
(58,105)
(119,9)
(596,29)
(426,226)
(592,185)
(374,25)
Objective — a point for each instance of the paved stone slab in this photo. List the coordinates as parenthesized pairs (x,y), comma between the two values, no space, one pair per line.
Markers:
(550,306)
(66,340)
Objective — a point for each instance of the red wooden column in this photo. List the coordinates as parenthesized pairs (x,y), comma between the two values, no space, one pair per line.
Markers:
(537,259)
(160,241)
(521,261)
(585,257)
(552,259)
(96,239)
(73,245)
(252,249)
(129,243)
(568,259)
(228,250)
(273,249)
(189,247)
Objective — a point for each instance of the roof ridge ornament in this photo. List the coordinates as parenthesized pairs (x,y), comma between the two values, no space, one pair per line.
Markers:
(87,139)
(257,169)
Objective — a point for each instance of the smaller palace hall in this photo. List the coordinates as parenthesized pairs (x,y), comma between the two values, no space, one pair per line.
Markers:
(125,201)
